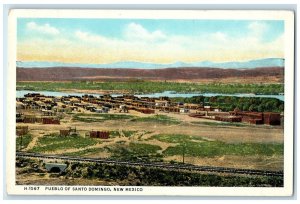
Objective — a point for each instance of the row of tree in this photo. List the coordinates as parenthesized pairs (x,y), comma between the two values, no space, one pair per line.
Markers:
(229,103)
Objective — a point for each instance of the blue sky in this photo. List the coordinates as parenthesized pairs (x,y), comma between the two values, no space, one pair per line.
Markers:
(163,41)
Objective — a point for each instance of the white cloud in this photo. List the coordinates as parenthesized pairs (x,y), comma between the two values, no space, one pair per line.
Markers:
(45,29)
(257,29)
(140,44)
(94,40)
(85,36)
(219,36)
(151,46)
(136,31)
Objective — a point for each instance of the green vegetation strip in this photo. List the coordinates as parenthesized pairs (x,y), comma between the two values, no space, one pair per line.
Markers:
(163,119)
(155,87)
(140,148)
(23,141)
(85,152)
(194,146)
(89,118)
(135,151)
(175,138)
(55,142)
(129,133)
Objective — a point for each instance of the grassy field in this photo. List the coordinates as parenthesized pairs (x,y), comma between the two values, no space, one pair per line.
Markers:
(162,137)
(143,149)
(85,152)
(191,145)
(154,87)
(162,119)
(200,147)
(54,142)
(89,118)
(134,151)
(128,133)
(23,140)
(175,138)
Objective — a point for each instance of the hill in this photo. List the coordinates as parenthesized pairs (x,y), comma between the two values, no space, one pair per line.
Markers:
(269,74)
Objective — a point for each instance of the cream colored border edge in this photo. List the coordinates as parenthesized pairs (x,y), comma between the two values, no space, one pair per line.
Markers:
(287,16)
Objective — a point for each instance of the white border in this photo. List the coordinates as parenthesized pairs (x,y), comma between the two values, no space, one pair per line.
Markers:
(287,16)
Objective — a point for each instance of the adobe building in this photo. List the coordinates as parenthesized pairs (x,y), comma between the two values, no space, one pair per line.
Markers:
(268,118)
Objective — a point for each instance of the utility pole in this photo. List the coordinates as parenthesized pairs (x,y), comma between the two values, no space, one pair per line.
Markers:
(183,152)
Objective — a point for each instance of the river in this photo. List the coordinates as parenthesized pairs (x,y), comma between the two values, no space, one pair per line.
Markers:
(171,94)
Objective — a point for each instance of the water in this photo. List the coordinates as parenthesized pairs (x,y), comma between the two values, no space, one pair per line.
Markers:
(21,93)
(171,94)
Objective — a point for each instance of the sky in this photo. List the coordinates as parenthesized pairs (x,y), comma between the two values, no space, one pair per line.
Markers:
(101,41)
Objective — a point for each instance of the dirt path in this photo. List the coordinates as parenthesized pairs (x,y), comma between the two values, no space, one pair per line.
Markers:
(226,134)
(121,133)
(147,130)
(103,144)
(36,134)
(148,135)
(163,145)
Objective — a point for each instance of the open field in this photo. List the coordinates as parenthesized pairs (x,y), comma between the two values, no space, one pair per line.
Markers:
(88,118)
(51,143)
(161,119)
(192,145)
(164,137)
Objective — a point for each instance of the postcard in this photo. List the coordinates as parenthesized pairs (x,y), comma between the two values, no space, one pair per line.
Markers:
(150,102)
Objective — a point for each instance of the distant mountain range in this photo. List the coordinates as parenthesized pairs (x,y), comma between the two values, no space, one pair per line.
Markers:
(268,62)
